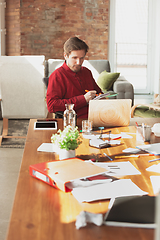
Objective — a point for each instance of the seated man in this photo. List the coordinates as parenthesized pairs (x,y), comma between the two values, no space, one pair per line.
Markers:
(72,83)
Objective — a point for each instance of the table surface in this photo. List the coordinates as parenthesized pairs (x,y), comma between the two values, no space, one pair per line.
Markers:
(42,212)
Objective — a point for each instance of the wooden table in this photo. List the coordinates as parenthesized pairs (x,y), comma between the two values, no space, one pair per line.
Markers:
(41,212)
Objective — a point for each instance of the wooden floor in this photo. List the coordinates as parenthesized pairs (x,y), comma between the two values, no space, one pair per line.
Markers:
(10,160)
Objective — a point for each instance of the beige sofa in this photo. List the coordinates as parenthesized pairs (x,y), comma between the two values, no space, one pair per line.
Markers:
(121,86)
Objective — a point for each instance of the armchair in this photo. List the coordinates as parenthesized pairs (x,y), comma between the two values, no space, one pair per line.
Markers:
(22,90)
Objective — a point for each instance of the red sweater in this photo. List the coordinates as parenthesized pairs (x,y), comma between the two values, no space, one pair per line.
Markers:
(66,86)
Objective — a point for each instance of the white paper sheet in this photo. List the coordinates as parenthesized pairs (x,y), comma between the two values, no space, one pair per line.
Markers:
(118,169)
(97,142)
(131,150)
(153,148)
(47,147)
(154,168)
(118,188)
(126,135)
(106,135)
(155,180)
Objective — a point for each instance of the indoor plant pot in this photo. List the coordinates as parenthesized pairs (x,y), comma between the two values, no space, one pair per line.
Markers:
(67,141)
(64,154)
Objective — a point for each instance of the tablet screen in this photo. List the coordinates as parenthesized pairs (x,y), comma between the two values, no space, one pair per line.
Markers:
(46,125)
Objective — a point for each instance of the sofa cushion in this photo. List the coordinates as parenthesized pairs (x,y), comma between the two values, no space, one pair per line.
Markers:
(95,66)
(106,80)
(145,112)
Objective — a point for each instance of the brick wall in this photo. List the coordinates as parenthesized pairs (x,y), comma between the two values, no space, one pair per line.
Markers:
(12,23)
(41,27)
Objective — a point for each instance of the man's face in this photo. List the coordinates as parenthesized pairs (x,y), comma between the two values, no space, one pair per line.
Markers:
(75,59)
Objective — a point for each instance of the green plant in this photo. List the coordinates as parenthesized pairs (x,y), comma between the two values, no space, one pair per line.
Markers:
(68,139)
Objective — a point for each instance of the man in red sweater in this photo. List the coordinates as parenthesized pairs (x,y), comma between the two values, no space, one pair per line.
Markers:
(68,83)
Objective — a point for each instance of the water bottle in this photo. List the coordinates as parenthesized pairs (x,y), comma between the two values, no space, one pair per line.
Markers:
(69,116)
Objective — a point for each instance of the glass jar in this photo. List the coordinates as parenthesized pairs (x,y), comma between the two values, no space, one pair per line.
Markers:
(69,116)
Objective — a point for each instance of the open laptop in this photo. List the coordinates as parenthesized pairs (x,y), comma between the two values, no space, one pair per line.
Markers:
(110,112)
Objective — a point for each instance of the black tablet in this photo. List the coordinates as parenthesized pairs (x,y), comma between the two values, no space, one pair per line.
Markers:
(45,125)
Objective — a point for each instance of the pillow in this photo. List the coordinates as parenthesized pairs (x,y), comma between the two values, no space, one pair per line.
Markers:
(106,80)
(145,112)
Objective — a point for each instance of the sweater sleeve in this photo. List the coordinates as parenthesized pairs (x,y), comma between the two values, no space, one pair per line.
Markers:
(61,91)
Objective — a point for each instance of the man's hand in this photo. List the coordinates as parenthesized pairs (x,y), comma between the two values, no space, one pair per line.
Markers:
(90,95)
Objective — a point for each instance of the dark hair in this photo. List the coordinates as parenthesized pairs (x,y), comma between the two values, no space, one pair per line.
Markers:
(73,44)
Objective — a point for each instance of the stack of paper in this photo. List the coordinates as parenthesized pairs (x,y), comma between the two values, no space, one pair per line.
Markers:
(117,188)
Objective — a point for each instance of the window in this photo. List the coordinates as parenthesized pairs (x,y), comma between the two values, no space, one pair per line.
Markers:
(134,46)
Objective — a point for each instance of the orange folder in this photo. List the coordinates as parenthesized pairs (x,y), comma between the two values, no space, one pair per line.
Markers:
(58,173)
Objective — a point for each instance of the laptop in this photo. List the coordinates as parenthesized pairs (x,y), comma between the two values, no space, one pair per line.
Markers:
(110,112)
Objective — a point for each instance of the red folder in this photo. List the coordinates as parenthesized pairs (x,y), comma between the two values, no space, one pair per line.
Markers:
(58,173)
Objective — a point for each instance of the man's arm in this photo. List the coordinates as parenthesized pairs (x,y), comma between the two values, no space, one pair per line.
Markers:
(61,91)
(65,87)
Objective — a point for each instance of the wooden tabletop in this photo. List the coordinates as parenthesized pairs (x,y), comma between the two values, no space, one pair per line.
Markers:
(41,212)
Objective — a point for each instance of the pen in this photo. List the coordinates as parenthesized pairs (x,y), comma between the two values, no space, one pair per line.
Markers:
(136,124)
(139,131)
(157,159)
(116,138)
(90,90)
(108,156)
(146,154)
(143,131)
(137,156)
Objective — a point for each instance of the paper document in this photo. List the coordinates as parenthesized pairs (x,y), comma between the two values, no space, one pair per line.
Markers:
(154,168)
(106,135)
(131,150)
(155,180)
(47,147)
(126,135)
(99,143)
(153,148)
(83,183)
(117,188)
(118,169)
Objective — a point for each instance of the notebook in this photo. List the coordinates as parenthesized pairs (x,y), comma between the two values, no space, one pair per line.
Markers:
(110,112)
(132,211)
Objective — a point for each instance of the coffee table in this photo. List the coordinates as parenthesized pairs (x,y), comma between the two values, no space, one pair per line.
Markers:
(42,212)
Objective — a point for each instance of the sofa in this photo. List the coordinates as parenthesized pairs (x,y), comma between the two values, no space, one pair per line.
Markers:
(121,86)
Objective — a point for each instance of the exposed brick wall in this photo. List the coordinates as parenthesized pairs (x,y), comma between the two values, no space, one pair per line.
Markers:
(45,25)
(12,23)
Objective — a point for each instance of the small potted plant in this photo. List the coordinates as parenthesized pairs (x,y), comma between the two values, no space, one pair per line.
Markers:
(67,141)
